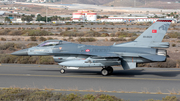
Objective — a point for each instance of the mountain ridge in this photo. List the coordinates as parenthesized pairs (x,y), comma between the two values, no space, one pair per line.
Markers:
(165,4)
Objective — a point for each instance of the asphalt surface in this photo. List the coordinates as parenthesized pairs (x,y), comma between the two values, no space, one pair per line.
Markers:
(154,80)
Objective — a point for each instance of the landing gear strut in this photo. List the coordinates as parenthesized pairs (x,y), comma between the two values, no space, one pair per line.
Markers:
(110,70)
(107,71)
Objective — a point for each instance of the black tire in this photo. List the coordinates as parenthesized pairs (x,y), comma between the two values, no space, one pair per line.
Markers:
(62,71)
(104,72)
(110,70)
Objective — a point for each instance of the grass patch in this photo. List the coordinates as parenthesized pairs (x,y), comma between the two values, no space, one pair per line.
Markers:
(7,58)
(86,39)
(18,94)
(174,34)
(25,32)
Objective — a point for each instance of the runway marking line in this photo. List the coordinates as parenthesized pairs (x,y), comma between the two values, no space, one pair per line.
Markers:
(128,78)
(145,69)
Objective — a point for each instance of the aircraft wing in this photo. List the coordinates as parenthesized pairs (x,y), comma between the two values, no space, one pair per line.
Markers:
(154,57)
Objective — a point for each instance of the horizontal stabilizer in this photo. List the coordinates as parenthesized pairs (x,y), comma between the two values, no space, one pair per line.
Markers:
(154,57)
(160,45)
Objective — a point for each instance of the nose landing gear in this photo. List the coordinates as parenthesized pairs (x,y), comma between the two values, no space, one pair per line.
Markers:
(62,71)
(107,71)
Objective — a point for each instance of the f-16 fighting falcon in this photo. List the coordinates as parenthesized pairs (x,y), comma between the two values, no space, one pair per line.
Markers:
(143,49)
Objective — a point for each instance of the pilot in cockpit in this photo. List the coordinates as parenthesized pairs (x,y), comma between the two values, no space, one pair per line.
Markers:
(50,43)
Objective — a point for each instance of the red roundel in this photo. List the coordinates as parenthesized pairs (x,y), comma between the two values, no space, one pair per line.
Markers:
(87,50)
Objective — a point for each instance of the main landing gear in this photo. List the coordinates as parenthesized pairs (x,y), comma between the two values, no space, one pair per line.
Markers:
(107,71)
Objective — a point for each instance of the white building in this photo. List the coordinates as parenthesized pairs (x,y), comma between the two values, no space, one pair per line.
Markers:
(112,20)
(128,19)
(147,19)
(78,16)
(84,15)
(91,16)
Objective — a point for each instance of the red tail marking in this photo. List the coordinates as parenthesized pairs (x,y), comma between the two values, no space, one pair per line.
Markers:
(154,31)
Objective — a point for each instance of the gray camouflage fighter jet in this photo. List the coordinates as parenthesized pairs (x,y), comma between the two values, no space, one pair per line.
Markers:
(69,55)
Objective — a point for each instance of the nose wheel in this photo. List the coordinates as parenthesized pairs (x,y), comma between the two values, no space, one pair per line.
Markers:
(107,71)
(62,71)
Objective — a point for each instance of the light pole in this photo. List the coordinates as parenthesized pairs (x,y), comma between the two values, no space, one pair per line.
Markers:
(46,13)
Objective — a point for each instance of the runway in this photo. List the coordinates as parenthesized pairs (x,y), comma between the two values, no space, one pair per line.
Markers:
(154,80)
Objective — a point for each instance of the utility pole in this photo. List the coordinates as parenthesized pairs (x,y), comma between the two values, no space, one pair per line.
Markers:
(46,13)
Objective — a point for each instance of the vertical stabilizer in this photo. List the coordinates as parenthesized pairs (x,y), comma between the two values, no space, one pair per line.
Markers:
(155,33)
(152,36)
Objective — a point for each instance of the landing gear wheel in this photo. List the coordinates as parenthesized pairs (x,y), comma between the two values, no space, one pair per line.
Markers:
(62,71)
(110,70)
(104,72)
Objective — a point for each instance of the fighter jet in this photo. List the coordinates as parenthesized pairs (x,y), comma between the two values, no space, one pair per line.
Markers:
(143,49)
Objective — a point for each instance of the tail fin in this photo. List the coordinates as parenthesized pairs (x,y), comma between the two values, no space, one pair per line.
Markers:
(156,32)
(153,35)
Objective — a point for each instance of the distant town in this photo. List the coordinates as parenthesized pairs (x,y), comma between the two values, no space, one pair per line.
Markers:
(42,11)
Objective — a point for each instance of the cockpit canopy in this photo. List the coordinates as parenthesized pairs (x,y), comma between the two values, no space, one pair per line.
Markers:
(50,43)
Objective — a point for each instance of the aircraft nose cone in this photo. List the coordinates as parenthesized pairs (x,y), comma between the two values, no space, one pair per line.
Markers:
(23,52)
